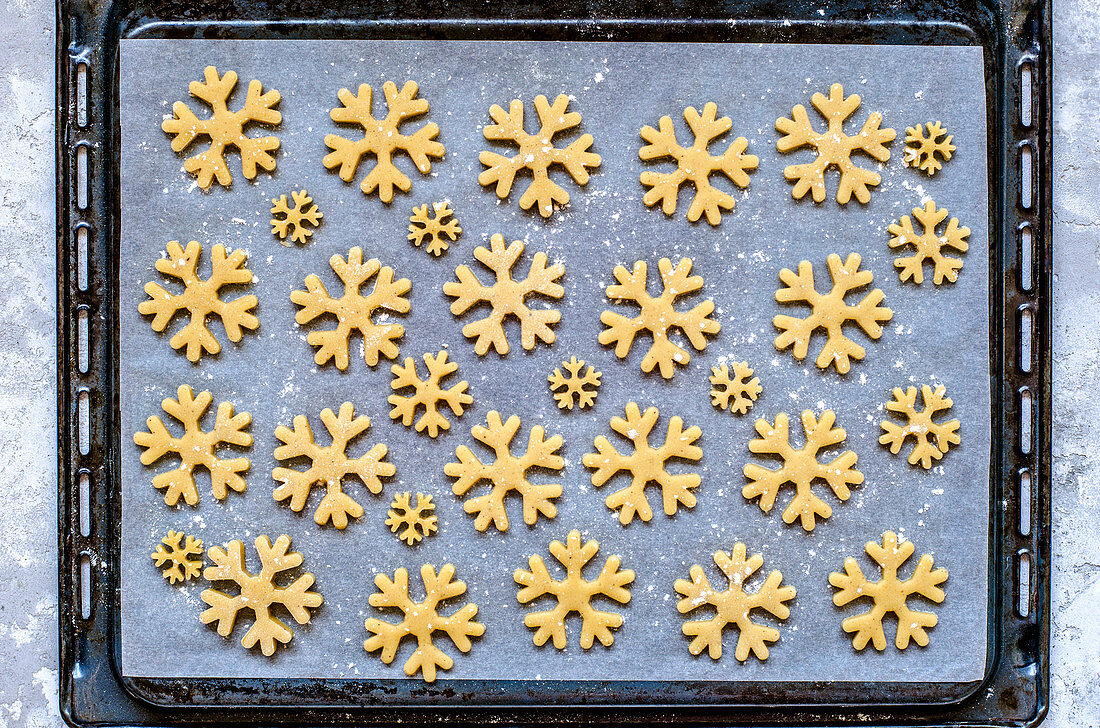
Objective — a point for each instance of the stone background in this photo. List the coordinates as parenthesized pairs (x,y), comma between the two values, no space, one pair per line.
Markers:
(28,600)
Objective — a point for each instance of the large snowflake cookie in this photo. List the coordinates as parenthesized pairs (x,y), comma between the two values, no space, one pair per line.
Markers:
(575,388)
(411,522)
(932,439)
(657,315)
(647,465)
(354,311)
(507,473)
(929,245)
(195,447)
(574,593)
(421,620)
(735,392)
(382,137)
(427,393)
(536,152)
(258,592)
(734,605)
(506,297)
(439,231)
(800,467)
(329,465)
(178,557)
(834,147)
(695,164)
(921,150)
(200,298)
(890,594)
(224,128)
(294,220)
(829,312)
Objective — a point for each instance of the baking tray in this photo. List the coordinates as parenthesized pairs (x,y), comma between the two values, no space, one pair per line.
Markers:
(1015,39)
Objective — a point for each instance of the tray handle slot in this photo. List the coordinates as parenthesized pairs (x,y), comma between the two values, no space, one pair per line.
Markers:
(1024,590)
(85,588)
(84,503)
(1026,261)
(1027,172)
(1026,328)
(1026,93)
(83,253)
(83,339)
(1023,518)
(81,94)
(82,163)
(1025,415)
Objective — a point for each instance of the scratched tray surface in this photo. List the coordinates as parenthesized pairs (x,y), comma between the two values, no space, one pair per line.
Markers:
(938,335)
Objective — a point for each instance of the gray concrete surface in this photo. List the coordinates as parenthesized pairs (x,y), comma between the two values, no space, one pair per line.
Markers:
(28,601)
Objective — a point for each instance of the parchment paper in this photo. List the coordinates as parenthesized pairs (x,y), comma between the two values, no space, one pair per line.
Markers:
(938,335)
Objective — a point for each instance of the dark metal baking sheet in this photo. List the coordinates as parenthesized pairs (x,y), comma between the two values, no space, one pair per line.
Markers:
(1007,698)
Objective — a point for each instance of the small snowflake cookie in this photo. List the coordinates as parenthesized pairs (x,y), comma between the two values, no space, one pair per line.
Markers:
(200,298)
(829,312)
(258,592)
(196,448)
(506,297)
(574,593)
(932,439)
(576,388)
(427,393)
(421,619)
(413,521)
(929,245)
(507,473)
(329,465)
(734,605)
(695,164)
(800,467)
(647,465)
(354,311)
(736,393)
(921,151)
(294,221)
(536,152)
(435,230)
(183,557)
(834,147)
(890,595)
(658,315)
(224,128)
(382,138)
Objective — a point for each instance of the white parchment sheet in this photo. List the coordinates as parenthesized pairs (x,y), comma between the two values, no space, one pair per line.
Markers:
(939,335)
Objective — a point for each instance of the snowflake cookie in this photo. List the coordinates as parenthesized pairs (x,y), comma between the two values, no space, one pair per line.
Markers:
(196,448)
(929,245)
(658,316)
(294,220)
(200,298)
(646,465)
(579,389)
(507,473)
(736,393)
(800,467)
(920,426)
(329,465)
(921,151)
(258,592)
(224,128)
(506,297)
(829,312)
(890,594)
(421,619)
(382,138)
(574,593)
(184,558)
(834,147)
(413,521)
(436,230)
(427,393)
(354,311)
(734,605)
(695,164)
(536,152)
